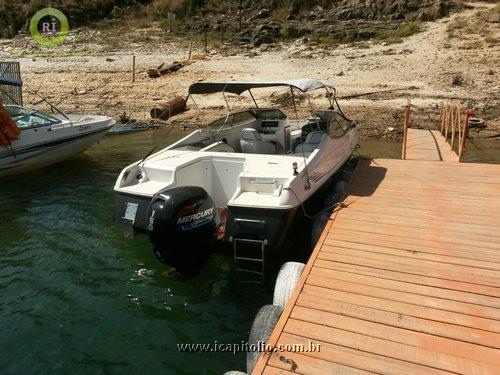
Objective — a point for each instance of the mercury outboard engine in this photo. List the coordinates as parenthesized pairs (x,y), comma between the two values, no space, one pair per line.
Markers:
(182,225)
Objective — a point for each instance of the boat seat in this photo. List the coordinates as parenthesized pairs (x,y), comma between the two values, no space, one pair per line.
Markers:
(251,143)
(313,141)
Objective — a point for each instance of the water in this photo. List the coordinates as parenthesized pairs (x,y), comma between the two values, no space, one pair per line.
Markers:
(76,295)
(476,151)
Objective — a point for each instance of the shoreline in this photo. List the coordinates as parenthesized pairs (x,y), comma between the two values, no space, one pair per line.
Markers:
(87,77)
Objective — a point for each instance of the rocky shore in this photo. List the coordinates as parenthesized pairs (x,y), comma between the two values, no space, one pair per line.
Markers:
(453,58)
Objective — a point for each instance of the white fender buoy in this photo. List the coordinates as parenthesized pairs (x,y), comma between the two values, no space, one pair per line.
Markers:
(262,327)
(287,280)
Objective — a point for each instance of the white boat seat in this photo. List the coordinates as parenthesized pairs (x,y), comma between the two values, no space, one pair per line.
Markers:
(251,143)
(313,141)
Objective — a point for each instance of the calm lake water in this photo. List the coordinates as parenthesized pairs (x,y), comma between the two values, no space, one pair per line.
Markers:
(75,295)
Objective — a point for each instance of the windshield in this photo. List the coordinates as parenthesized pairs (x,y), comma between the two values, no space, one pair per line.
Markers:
(232,120)
(27,117)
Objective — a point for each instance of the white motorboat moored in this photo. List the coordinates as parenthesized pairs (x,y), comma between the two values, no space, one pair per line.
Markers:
(246,179)
(47,139)
(32,139)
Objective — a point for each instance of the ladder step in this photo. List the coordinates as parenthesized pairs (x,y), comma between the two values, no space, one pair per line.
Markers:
(249,249)
(249,271)
(249,259)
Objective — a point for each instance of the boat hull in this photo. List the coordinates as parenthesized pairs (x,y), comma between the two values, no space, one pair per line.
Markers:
(30,157)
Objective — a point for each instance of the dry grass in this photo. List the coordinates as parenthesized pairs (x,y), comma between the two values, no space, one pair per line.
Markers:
(457,23)
(457,79)
(405,30)
(492,41)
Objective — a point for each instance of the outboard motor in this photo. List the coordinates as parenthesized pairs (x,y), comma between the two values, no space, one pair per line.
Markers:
(182,225)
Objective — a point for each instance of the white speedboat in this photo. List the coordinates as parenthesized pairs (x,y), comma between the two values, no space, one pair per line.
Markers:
(42,139)
(47,139)
(246,179)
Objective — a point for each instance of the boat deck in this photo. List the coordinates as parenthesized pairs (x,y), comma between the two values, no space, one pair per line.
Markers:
(406,278)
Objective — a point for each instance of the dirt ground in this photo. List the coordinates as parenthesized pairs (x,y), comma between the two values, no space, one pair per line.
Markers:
(456,58)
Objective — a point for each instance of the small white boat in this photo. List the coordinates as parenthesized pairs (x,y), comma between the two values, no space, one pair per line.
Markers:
(246,179)
(47,139)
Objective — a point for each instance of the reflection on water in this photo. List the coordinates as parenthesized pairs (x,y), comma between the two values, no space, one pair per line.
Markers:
(76,294)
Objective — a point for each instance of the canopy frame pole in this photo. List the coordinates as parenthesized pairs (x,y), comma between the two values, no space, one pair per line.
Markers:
(253,98)
(311,108)
(225,99)
(329,96)
(198,108)
(308,183)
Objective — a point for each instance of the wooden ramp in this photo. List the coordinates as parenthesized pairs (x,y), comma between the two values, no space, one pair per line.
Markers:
(405,280)
(428,145)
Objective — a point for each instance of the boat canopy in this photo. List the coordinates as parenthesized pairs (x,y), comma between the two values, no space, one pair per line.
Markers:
(238,88)
(11,81)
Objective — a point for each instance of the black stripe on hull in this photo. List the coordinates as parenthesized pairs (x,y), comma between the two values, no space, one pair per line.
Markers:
(51,144)
(43,149)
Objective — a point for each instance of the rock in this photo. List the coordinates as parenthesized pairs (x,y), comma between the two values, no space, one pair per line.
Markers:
(264,13)
(265,34)
(264,47)
(477,123)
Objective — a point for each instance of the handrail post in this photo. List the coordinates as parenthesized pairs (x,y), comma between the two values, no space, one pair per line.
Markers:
(447,121)
(454,113)
(441,116)
(405,128)
(465,132)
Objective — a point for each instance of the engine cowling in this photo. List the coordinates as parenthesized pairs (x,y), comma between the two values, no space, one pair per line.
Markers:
(182,225)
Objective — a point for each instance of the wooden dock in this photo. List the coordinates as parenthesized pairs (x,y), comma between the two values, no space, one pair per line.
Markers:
(406,278)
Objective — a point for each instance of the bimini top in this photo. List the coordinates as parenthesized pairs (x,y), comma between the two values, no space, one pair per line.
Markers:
(11,81)
(237,88)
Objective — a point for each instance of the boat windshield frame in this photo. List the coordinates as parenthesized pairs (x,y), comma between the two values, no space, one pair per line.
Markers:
(305,86)
(25,113)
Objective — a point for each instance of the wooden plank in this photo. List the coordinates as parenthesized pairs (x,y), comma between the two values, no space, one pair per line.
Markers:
(421,169)
(400,190)
(406,286)
(469,274)
(444,236)
(402,209)
(428,270)
(420,187)
(404,308)
(412,354)
(472,310)
(414,244)
(359,359)
(270,370)
(430,254)
(375,189)
(398,274)
(443,199)
(396,334)
(394,319)
(309,365)
(486,233)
